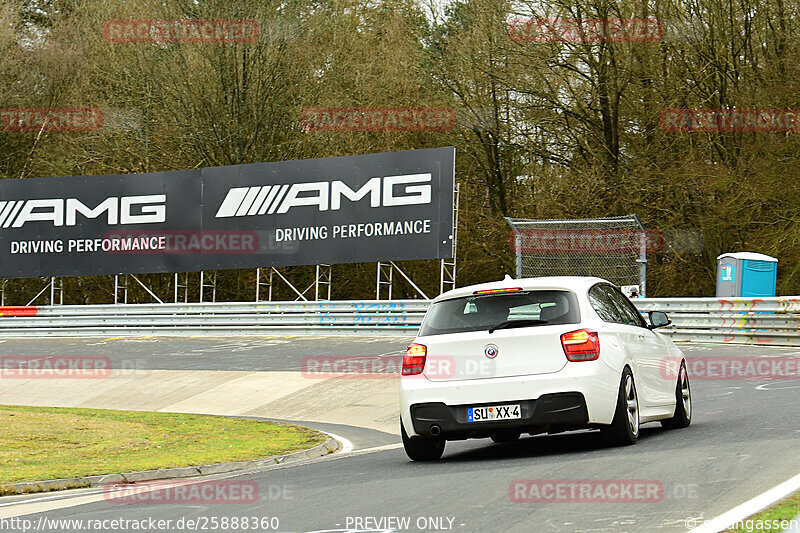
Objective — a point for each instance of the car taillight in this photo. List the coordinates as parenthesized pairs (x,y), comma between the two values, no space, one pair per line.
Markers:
(581,345)
(414,360)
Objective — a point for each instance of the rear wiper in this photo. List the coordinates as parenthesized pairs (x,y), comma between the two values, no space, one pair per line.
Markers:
(517,324)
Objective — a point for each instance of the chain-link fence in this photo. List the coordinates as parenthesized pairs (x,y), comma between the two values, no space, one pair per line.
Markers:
(611,248)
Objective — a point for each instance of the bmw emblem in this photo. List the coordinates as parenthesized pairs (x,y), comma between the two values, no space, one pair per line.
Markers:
(491,351)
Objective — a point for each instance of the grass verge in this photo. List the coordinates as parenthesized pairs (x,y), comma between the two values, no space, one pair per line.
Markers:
(772,519)
(40,443)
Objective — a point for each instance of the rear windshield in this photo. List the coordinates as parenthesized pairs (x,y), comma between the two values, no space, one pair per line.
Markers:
(516,309)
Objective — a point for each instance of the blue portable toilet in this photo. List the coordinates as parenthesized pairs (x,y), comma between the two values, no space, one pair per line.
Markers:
(746,274)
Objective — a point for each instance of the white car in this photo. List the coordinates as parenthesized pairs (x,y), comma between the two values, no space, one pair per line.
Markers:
(539,355)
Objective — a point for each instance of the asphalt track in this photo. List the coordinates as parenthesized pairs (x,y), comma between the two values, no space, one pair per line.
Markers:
(744,439)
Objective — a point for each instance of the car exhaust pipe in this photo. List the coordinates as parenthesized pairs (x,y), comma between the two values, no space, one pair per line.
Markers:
(435,430)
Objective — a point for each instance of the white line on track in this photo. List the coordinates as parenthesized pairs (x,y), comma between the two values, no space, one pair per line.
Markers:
(51,497)
(776,385)
(750,507)
(347,446)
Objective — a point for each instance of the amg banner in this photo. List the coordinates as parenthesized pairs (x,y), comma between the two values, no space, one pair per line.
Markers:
(365,208)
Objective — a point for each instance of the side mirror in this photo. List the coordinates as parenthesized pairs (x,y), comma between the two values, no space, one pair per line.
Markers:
(658,319)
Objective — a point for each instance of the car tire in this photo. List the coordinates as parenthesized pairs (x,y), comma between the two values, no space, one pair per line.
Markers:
(506,436)
(624,428)
(683,402)
(421,448)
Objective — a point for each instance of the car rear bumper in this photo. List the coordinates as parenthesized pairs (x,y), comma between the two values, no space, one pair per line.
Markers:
(549,412)
(594,382)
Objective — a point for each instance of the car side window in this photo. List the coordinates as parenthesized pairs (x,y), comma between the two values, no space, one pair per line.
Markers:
(604,306)
(626,308)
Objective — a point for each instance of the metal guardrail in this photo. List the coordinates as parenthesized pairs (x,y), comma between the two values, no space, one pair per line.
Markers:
(389,317)
(763,321)
(774,321)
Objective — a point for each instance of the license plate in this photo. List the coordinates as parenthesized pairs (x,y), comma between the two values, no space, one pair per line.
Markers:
(493,412)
